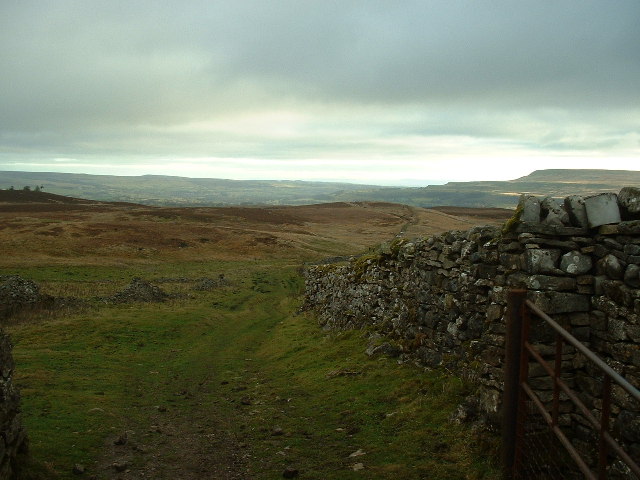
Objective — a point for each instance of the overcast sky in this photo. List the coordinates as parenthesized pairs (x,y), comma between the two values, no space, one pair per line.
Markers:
(368,91)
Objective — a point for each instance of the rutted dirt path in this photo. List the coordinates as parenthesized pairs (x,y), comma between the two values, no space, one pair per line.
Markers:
(196,425)
(174,444)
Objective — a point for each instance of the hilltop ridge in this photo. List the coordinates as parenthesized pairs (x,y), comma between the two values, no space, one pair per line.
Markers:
(579,175)
(183,191)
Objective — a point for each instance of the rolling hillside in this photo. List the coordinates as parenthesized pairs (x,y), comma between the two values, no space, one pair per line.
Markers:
(182,191)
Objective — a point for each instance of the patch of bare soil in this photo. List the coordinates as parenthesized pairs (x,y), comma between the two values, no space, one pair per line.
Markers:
(174,447)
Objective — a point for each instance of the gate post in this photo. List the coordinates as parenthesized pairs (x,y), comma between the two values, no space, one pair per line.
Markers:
(513,353)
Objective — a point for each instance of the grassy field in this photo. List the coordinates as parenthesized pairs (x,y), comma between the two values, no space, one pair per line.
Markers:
(231,383)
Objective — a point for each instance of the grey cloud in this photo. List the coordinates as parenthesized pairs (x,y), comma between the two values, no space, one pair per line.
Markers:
(530,53)
(93,76)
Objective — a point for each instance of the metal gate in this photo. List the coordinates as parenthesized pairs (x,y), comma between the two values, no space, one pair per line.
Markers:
(521,403)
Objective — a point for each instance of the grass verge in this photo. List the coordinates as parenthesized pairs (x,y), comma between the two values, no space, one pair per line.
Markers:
(238,360)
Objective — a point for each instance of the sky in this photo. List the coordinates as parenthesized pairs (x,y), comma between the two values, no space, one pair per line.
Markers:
(369,91)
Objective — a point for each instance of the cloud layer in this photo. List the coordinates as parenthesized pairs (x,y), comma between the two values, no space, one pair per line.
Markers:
(118,83)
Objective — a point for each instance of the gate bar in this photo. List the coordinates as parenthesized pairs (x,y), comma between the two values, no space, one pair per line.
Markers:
(605,439)
(513,351)
(570,339)
(611,442)
(559,433)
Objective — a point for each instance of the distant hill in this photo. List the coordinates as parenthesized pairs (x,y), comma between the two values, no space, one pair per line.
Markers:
(182,191)
(504,194)
(31,196)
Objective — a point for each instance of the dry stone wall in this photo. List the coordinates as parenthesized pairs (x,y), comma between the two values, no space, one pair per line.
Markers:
(12,435)
(441,300)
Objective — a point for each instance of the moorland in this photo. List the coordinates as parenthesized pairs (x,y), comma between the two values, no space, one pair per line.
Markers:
(182,191)
(232,381)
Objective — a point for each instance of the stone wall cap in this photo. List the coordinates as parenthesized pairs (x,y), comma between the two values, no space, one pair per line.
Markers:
(602,209)
(603,194)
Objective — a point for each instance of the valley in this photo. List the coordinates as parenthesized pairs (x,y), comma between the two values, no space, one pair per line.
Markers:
(159,190)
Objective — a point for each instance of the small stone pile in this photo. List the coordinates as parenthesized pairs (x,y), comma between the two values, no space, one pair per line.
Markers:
(17,293)
(208,284)
(139,290)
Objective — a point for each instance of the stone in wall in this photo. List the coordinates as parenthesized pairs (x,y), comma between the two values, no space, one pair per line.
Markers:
(552,302)
(632,275)
(575,207)
(543,261)
(575,263)
(530,206)
(629,200)
(602,209)
(553,212)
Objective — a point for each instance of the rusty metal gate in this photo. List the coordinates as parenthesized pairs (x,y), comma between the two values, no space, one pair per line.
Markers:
(528,418)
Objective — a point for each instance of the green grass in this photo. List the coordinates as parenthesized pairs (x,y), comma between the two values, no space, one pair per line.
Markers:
(89,376)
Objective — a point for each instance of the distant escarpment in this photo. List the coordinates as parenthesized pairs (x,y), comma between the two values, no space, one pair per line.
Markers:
(504,194)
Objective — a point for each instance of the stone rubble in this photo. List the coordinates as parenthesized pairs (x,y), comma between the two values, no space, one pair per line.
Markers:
(139,290)
(208,284)
(17,293)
